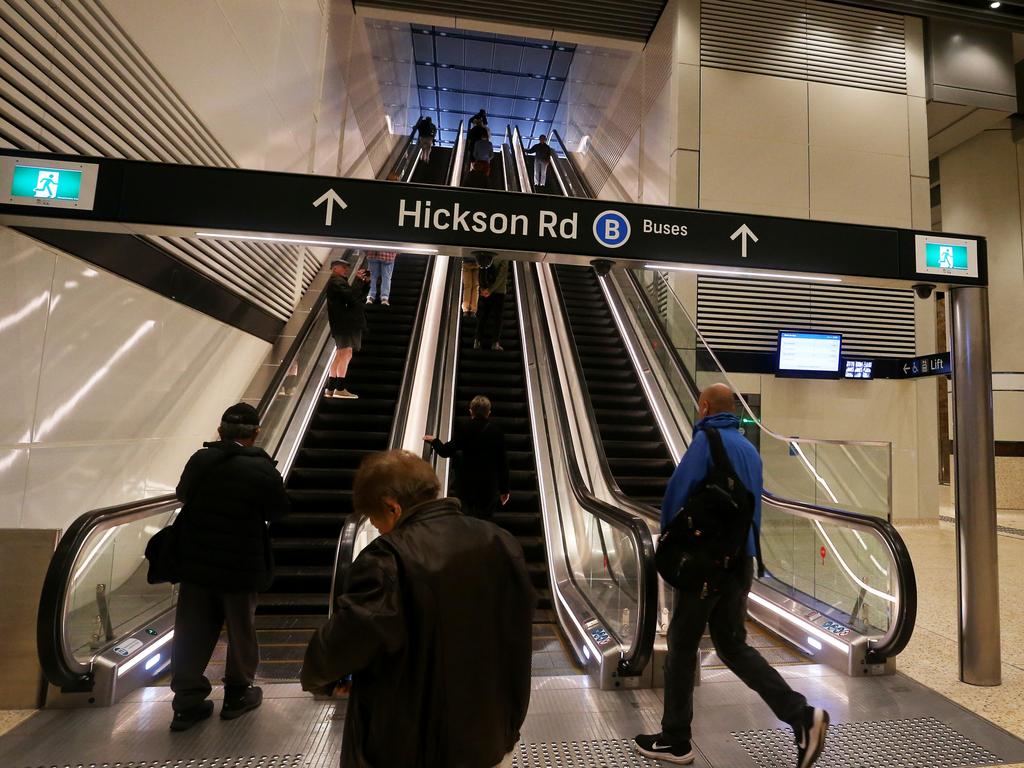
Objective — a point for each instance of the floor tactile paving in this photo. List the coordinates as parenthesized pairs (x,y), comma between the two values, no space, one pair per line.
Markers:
(247,761)
(916,743)
(581,754)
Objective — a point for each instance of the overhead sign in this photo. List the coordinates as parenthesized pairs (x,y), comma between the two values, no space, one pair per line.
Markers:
(160,198)
(928,365)
(48,182)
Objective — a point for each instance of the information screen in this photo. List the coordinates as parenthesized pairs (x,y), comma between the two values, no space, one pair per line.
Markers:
(859,369)
(811,355)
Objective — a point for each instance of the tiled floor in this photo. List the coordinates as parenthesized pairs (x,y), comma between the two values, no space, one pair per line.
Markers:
(12,717)
(932,656)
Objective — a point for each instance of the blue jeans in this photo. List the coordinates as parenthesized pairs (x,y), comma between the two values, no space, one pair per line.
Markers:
(383,270)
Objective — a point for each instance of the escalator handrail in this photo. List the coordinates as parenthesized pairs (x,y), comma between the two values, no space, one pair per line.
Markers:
(638,530)
(584,184)
(902,628)
(344,553)
(454,175)
(58,669)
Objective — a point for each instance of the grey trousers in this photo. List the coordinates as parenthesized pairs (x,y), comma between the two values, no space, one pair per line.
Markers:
(725,616)
(198,620)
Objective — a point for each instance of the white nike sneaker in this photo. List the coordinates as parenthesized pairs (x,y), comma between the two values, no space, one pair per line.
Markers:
(810,738)
(652,746)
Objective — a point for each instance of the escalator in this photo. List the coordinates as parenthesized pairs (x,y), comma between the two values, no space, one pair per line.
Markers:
(637,455)
(499,376)
(340,434)
(437,171)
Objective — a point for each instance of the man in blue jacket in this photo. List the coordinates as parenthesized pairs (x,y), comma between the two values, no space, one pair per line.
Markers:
(723,612)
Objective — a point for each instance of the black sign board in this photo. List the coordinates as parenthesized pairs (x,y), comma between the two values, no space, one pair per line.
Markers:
(928,365)
(165,198)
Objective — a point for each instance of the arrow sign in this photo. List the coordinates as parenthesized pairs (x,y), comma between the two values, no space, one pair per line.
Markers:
(332,198)
(906,368)
(745,232)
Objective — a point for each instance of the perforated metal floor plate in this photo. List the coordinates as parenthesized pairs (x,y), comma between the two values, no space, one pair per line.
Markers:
(915,743)
(249,761)
(581,754)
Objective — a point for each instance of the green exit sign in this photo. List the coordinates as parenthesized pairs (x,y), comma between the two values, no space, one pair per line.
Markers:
(44,182)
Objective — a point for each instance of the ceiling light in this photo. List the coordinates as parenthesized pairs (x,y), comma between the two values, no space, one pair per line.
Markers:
(742,272)
(994,5)
(305,241)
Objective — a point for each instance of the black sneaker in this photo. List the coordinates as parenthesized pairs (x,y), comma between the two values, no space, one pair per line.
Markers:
(238,704)
(186,719)
(653,746)
(810,737)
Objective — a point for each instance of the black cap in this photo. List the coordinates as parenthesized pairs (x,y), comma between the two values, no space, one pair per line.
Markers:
(241,413)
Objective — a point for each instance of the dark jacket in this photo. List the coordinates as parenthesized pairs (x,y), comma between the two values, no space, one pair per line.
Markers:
(494,277)
(435,628)
(346,305)
(230,492)
(541,151)
(476,133)
(425,128)
(481,474)
(697,463)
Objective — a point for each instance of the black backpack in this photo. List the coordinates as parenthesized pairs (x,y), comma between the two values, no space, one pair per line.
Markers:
(706,540)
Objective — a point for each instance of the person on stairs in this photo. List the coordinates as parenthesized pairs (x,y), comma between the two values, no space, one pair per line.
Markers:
(481,469)
(426,130)
(382,266)
(493,277)
(542,154)
(347,317)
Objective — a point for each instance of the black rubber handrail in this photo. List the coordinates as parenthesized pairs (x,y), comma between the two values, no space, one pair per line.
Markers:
(639,656)
(896,639)
(69,674)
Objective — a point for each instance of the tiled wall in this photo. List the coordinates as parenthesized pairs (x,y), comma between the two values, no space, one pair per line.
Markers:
(108,388)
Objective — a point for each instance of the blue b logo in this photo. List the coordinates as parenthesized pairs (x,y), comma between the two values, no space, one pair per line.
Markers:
(611,229)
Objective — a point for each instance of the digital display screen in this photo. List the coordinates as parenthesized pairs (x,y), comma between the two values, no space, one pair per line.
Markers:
(859,369)
(812,355)
(938,255)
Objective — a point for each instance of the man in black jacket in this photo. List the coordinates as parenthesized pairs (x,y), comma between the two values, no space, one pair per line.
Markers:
(434,627)
(231,490)
(346,312)
(481,475)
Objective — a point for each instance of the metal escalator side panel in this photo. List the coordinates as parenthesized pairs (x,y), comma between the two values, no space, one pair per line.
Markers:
(564,495)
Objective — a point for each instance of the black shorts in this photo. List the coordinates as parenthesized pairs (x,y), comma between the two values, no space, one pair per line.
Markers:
(353,339)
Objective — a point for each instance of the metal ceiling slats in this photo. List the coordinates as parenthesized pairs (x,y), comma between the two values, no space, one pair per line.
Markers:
(73,81)
(619,19)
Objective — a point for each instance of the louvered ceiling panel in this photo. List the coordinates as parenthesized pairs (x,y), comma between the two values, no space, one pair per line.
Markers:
(619,19)
(72,81)
(807,40)
(747,315)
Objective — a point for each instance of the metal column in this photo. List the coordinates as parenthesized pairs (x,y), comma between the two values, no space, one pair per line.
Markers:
(976,542)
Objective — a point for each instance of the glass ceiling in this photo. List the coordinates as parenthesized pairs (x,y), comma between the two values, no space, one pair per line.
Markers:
(518,80)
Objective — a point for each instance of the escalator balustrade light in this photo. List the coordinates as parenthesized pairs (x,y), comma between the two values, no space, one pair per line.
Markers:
(815,644)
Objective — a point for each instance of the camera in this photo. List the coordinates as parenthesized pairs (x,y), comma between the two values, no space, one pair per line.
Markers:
(602,266)
(924,290)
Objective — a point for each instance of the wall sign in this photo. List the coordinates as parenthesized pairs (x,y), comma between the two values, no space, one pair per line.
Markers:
(46,182)
(928,365)
(937,255)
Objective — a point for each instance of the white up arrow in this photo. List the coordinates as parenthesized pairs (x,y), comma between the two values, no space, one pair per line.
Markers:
(332,198)
(745,232)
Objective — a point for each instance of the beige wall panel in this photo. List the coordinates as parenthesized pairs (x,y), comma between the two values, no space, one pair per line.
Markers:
(1010,482)
(981,194)
(916,82)
(1009,408)
(685,179)
(688,32)
(860,187)
(687,100)
(13,475)
(921,202)
(758,176)
(859,120)
(624,183)
(750,106)
(918,119)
